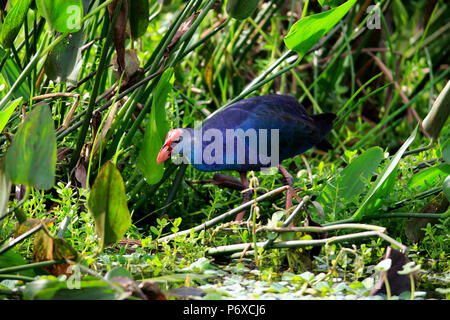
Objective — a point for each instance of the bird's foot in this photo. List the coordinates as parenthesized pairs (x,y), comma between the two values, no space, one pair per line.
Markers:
(232,183)
(288,180)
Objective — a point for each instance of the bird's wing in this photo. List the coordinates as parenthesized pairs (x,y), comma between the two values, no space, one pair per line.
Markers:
(270,111)
(297,130)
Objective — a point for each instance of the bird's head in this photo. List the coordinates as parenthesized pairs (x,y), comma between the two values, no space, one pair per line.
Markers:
(173,138)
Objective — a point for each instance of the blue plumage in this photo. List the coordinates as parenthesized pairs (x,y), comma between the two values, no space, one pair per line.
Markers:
(297,132)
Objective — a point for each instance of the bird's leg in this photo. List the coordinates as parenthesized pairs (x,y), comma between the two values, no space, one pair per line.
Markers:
(247,195)
(229,182)
(289,181)
(233,183)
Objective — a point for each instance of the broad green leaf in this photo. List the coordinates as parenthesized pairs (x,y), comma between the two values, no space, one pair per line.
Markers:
(5,187)
(155,131)
(163,89)
(240,10)
(63,63)
(446,151)
(350,181)
(138,16)
(31,158)
(61,15)
(384,177)
(306,32)
(107,203)
(429,177)
(11,258)
(92,289)
(17,12)
(10,73)
(6,114)
(378,199)
(118,272)
(47,248)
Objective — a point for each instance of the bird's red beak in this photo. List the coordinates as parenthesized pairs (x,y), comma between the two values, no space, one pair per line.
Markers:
(166,149)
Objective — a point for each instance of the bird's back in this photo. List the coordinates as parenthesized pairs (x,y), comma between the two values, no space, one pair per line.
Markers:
(297,131)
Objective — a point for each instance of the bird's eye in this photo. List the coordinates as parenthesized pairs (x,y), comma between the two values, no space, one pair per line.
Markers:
(178,140)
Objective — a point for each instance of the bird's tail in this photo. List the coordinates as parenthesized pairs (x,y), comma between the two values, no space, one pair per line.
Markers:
(324,122)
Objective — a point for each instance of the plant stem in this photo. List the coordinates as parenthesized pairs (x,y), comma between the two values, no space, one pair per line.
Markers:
(413,285)
(95,89)
(305,8)
(15,277)
(20,238)
(285,224)
(391,215)
(292,243)
(386,283)
(30,266)
(175,186)
(324,229)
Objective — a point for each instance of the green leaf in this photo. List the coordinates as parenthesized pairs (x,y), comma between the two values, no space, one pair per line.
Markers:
(163,89)
(108,205)
(10,73)
(118,272)
(378,199)
(156,130)
(62,15)
(306,32)
(446,187)
(139,17)
(17,12)
(384,265)
(429,177)
(45,289)
(11,258)
(63,62)
(240,10)
(446,151)
(400,13)
(31,158)
(6,114)
(439,113)
(384,178)
(5,187)
(350,181)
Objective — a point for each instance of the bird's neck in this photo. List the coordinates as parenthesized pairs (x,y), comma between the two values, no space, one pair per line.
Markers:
(192,144)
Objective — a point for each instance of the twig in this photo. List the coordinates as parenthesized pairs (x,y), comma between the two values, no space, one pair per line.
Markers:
(20,238)
(304,243)
(393,215)
(15,277)
(31,266)
(55,95)
(362,226)
(216,220)
(288,221)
